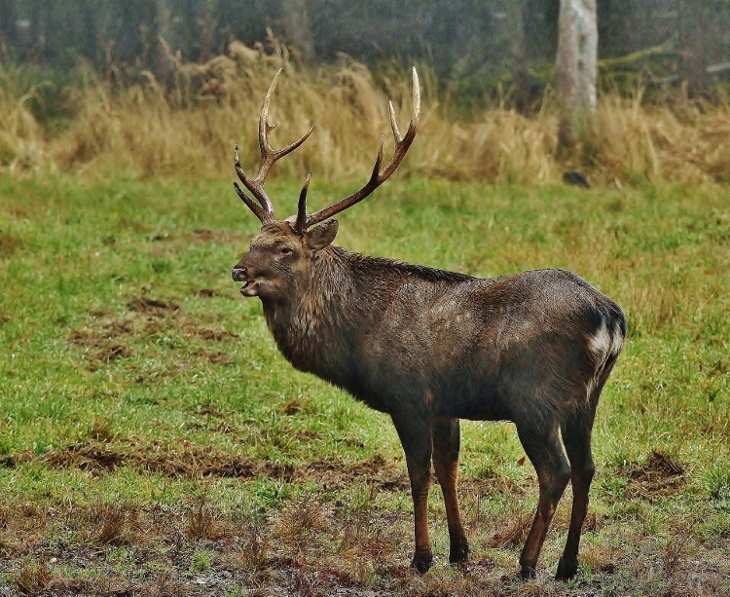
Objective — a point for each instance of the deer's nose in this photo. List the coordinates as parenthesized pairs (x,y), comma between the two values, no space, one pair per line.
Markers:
(239,274)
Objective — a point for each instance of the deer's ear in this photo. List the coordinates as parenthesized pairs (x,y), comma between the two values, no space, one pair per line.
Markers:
(323,235)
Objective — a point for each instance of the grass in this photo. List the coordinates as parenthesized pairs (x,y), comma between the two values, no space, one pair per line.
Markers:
(153,441)
(190,126)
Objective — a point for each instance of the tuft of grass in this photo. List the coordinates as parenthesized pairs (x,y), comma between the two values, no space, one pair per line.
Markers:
(717,483)
(33,578)
(201,523)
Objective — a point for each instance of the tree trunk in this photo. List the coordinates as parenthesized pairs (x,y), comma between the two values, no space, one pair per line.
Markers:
(165,62)
(7,25)
(576,66)
(526,90)
(692,44)
(298,29)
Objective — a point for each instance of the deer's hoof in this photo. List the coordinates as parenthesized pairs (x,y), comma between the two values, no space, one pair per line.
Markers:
(566,570)
(459,553)
(527,572)
(422,562)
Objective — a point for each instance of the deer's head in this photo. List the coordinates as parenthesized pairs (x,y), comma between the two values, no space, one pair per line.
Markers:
(281,254)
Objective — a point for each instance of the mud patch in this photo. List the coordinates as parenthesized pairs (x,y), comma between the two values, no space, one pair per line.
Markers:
(104,345)
(211,335)
(384,474)
(94,458)
(156,307)
(661,477)
(111,337)
(190,462)
(201,462)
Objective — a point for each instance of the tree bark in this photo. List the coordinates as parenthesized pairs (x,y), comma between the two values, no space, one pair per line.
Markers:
(576,66)
(298,29)
(518,56)
(8,37)
(692,45)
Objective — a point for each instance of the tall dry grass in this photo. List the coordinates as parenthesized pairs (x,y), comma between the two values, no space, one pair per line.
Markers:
(189,127)
(22,142)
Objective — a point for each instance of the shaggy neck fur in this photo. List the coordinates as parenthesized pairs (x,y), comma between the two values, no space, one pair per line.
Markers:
(344,295)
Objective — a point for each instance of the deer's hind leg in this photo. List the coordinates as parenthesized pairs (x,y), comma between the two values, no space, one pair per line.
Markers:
(543,448)
(577,431)
(445,433)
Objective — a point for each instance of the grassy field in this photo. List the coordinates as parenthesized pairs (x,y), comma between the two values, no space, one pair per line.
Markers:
(153,441)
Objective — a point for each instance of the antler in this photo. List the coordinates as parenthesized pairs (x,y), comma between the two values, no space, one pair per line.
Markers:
(264,210)
(269,156)
(378,177)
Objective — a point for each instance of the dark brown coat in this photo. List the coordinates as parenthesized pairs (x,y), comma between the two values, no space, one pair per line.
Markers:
(430,347)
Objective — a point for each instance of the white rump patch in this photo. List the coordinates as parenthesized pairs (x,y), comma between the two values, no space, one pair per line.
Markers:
(617,341)
(600,343)
(604,344)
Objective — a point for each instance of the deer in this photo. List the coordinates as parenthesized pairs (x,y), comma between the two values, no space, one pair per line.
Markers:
(429,347)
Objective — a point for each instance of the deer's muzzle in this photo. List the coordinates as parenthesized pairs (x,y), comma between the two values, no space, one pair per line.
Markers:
(243,274)
(239,274)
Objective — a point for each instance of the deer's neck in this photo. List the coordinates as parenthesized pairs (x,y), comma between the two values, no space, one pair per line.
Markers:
(319,325)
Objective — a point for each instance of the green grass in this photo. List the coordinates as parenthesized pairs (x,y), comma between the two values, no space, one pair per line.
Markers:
(153,440)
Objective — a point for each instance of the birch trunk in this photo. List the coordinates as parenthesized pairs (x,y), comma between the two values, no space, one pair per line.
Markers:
(576,66)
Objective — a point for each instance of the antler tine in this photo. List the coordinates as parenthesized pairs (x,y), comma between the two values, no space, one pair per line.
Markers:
(269,156)
(300,225)
(378,177)
(261,214)
(393,123)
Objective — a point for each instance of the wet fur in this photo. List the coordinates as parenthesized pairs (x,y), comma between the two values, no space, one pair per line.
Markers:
(430,347)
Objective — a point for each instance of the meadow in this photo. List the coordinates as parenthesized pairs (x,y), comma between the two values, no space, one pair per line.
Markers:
(154,442)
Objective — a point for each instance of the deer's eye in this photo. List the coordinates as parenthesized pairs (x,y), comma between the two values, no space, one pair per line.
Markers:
(286,252)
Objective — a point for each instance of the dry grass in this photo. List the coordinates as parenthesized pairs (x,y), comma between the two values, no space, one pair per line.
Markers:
(189,126)
(22,143)
(685,142)
(318,546)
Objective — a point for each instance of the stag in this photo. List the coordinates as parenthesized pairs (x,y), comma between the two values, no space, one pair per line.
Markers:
(429,347)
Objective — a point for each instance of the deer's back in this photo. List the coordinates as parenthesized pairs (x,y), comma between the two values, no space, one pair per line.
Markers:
(483,348)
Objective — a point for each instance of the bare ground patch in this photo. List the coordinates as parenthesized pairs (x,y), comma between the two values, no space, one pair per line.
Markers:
(197,462)
(661,476)
(188,462)
(311,546)
(110,337)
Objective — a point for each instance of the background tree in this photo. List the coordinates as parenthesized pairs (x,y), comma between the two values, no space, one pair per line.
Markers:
(576,69)
(298,29)
(477,48)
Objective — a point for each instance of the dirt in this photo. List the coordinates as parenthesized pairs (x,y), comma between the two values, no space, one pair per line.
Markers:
(194,462)
(311,545)
(660,477)
(156,307)
(111,337)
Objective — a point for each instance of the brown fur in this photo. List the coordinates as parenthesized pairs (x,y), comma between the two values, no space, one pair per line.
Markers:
(429,347)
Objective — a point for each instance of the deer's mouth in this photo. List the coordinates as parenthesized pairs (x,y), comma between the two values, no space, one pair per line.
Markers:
(250,288)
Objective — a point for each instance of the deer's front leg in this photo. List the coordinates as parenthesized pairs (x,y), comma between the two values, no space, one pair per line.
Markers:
(446,441)
(415,436)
